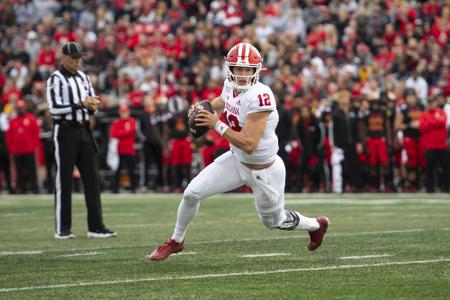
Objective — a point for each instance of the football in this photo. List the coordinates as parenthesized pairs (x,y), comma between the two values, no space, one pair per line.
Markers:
(198,131)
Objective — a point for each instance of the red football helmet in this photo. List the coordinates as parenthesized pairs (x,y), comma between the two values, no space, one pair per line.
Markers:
(243,55)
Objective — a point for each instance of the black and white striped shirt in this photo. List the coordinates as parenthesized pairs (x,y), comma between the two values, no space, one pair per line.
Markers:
(65,92)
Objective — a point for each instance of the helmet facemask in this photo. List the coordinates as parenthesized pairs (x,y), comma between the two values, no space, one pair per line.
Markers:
(247,56)
(251,80)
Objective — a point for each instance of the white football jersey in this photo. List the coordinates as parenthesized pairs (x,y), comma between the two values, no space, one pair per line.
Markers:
(257,98)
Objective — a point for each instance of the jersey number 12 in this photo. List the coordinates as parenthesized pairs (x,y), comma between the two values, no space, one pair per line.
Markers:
(264,99)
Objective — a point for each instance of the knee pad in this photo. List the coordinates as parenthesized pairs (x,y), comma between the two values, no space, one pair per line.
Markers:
(191,197)
(272,220)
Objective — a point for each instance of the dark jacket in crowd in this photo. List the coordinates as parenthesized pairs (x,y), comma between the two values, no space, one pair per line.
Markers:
(284,127)
(345,128)
(148,129)
(310,135)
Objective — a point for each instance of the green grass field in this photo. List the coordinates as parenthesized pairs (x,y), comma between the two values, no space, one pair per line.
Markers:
(378,247)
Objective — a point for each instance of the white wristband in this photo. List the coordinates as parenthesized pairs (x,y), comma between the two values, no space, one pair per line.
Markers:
(220,127)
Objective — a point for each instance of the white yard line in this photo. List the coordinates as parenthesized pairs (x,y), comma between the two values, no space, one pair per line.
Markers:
(18,214)
(185,253)
(80,254)
(8,253)
(144,225)
(445,216)
(140,225)
(25,216)
(345,201)
(366,256)
(381,214)
(80,197)
(21,230)
(222,275)
(265,255)
(315,197)
(369,196)
(437,201)
(122,214)
(368,202)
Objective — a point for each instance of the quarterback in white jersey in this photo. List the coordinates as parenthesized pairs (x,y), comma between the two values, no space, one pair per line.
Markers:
(258,98)
(249,108)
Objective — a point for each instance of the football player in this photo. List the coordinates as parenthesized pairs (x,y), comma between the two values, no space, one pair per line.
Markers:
(407,121)
(378,132)
(250,114)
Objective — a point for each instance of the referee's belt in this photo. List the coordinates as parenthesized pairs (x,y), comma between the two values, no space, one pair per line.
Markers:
(70,123)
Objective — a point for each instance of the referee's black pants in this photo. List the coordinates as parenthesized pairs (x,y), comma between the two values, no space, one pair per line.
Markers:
(74,146)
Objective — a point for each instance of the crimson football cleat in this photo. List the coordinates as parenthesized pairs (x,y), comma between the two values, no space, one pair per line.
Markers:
(169,247)
(316,236)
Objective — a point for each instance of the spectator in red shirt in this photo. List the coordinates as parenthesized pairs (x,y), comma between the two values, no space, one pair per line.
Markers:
(441,28)
(135,97)
(63,35)
(384,57)
(431,8)
(22,140)
(433,130)
(389,35)
(10,92)
(172,47)
(2,81)
(46,58)
(124,129)
(211,91)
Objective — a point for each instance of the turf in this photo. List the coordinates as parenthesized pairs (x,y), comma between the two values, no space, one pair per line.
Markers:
(405,240)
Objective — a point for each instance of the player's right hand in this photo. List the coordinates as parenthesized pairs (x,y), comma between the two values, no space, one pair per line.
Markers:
(191,110)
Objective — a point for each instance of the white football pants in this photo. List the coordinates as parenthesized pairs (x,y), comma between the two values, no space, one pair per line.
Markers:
(226,173)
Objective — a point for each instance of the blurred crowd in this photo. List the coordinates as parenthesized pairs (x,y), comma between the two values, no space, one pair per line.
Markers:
(362,87)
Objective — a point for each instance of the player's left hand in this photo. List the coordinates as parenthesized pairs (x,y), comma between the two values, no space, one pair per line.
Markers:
(205,118)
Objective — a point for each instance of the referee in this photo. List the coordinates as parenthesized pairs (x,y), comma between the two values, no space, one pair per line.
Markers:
(71,100)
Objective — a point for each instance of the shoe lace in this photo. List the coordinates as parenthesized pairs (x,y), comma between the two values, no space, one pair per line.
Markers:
(165,244)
